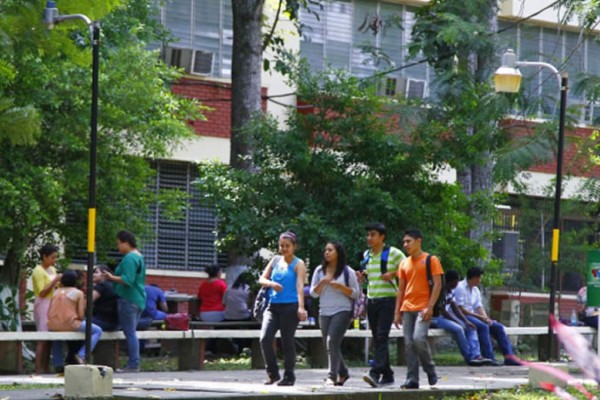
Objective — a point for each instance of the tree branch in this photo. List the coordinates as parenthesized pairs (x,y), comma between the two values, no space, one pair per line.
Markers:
(269,37)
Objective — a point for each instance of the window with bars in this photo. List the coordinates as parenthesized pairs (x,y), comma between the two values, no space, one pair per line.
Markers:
(184,244)
(187,243)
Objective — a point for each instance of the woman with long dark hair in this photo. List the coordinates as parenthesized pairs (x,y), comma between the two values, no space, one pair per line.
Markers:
(285,275)
(335,283)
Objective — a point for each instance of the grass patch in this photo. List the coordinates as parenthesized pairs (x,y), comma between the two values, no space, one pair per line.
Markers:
(524,393)
(25,386)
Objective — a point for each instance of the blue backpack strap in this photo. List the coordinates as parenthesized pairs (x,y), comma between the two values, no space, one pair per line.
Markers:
(385,255)
(365,260)
(347,275)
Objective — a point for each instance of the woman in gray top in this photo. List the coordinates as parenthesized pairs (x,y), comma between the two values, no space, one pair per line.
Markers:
(335,283)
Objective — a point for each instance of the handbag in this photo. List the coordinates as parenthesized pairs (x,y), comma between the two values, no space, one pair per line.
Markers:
(263,297)
(177,322)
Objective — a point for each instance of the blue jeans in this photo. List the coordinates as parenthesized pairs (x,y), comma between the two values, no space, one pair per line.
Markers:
(466,338)
(485,331)
(129,314)
(58,355)
(416,346)
(380,312)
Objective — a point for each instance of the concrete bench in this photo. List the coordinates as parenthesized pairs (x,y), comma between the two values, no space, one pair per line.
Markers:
(191,343)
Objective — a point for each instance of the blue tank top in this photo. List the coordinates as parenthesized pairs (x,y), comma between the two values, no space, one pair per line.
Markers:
(286,276)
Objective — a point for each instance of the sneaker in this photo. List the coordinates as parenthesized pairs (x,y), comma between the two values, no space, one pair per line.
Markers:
(78,360)
(127,370)
(479,361)
(409,385)
(511,360)
(371,379)
(386,380)
(286,382)
(432,379)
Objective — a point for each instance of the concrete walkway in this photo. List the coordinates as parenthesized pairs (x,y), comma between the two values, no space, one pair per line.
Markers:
(207,385)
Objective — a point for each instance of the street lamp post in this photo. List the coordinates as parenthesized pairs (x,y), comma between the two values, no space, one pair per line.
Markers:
(51,18)
(508,79)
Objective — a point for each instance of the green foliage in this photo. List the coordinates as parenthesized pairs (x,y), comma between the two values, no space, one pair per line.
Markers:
(331,170)
(10,312)
(44,186)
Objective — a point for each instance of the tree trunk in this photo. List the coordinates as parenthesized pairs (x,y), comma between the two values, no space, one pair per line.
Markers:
(477,178)
(245,76)
(10,272)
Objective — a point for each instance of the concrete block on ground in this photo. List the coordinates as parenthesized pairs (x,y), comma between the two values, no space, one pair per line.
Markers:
(88,381)
(536,376)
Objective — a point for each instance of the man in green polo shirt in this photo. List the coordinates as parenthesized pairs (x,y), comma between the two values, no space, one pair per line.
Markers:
(380,264)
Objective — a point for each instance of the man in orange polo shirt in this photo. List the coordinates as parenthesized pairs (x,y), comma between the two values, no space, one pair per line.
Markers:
(414,307)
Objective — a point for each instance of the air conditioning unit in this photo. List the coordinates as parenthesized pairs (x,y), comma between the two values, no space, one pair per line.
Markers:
(192,61)
(415,89)
(202,63)
(392,86)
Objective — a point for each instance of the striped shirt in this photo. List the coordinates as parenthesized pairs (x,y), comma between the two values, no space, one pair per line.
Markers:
(378,287)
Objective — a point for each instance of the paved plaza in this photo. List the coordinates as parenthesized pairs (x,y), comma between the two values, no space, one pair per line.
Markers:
(248,384)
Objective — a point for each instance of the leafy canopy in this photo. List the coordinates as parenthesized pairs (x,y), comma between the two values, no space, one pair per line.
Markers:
(339,163)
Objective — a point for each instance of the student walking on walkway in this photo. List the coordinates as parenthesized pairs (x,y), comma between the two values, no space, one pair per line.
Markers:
(415,305)
(336,284)
(380,265)
(285,275)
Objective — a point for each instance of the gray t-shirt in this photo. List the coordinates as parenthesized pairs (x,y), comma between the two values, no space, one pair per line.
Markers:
(236,303)
(333,301)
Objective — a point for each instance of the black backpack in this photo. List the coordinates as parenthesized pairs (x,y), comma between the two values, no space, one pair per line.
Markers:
(440,303)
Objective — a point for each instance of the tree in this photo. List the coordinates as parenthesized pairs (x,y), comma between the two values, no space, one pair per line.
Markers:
(330,171)
(43,185)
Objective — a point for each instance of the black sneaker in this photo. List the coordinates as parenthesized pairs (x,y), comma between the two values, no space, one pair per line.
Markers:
(432,379)
(479,361)
(371,379)
(286,382)
(409,385)
(271,379)
(386,380)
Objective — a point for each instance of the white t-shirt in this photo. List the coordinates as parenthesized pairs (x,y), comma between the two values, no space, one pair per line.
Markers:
(469,299)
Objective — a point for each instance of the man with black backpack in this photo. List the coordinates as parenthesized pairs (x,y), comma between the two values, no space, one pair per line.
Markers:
(420,285)
(380,264)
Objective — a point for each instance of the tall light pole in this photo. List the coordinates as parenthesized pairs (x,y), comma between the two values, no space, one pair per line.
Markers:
(51,18)
(508,79)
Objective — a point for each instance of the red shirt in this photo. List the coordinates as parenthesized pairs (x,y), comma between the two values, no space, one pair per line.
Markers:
(211,295)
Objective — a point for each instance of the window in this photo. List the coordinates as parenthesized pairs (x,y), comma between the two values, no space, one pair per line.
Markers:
(362,37)
(204,36)
(188,243)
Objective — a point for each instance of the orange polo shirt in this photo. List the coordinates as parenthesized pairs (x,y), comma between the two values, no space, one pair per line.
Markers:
(414,272)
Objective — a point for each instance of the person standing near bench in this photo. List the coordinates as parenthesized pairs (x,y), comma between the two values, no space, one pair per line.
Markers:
(130,277)
(285,275)
(468,298)
(380,264)
(45,279)
(336,285)
(415,305)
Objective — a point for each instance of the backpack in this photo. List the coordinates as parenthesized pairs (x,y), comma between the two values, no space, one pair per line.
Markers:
(385,255)
(359,308)
(263,297)
(440,303)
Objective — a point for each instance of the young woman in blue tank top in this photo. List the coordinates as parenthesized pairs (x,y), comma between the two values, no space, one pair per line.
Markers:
(285,275)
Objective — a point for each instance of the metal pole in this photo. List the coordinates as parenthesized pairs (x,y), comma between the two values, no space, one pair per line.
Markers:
(557,193)
(92,189)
